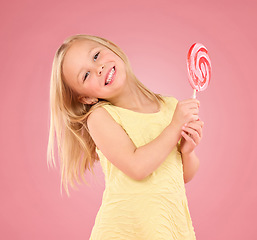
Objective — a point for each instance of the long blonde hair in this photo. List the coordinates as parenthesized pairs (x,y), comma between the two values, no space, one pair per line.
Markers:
(68,116)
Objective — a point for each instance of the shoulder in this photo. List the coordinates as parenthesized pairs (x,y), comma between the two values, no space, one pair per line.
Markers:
(98,114)
(102,115)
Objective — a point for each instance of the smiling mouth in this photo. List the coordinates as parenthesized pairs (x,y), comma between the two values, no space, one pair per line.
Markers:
(110,76)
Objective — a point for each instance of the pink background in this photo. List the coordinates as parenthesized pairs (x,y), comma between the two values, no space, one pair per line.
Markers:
(156,36)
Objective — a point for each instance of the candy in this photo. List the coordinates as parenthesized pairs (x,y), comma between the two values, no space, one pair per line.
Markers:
(199,67)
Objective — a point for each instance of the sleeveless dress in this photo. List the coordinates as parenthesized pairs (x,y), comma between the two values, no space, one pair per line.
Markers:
(154,208)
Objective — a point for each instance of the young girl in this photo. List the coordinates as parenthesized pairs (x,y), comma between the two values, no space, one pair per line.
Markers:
(144,141)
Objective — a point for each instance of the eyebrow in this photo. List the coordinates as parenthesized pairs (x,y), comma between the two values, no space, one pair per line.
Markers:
(89,53)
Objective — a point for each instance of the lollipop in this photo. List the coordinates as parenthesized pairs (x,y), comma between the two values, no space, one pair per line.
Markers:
(199,67)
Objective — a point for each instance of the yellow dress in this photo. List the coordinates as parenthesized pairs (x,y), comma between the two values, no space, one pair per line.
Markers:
(154,208)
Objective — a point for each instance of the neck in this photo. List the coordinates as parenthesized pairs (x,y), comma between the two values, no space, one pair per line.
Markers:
(131,97)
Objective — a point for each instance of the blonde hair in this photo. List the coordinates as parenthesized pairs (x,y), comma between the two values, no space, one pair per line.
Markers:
(68,116)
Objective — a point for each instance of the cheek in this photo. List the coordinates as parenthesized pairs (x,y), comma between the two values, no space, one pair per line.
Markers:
(94,85)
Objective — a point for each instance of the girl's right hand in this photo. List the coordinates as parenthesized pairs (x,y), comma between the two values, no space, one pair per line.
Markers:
(185,112)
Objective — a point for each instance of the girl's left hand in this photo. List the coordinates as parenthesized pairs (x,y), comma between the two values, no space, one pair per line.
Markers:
(191,136)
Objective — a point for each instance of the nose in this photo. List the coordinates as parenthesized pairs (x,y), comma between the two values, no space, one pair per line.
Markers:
(100,69)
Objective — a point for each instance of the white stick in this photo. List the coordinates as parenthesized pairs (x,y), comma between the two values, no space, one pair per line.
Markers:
(194,94)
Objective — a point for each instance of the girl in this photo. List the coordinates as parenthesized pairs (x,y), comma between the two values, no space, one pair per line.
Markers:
(144,141)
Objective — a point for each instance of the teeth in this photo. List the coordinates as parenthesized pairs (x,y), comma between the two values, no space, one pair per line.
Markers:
(110,76)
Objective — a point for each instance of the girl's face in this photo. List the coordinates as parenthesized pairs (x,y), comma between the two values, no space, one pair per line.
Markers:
(87,66)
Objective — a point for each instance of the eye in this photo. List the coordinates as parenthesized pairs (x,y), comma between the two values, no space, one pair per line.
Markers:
(85,76)
(95,57)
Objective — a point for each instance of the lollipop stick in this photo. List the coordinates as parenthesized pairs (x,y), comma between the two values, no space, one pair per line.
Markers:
(194,94)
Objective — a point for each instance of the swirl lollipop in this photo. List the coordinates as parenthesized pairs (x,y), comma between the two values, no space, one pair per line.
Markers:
(199,67)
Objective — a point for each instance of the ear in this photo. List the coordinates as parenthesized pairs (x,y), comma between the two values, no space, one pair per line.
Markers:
(87,100)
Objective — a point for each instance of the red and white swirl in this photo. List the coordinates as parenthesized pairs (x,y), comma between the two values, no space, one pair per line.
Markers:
(199,67)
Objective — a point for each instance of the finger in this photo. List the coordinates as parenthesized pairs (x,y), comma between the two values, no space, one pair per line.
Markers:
(187,138)
(196,125)
(193,125)
(194,111)
(194,133)
(200,123)
(198,129)
(192,105)
(191,102)
(191,131)
(193,118)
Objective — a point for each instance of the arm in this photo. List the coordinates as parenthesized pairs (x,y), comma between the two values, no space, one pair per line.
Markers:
(151,155)
(118,148)
(154,153)
(192,134)
(190,165)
